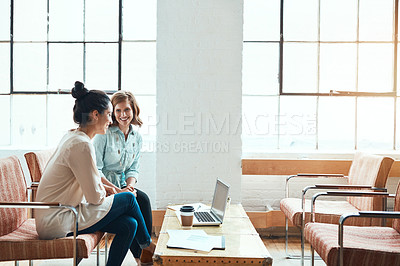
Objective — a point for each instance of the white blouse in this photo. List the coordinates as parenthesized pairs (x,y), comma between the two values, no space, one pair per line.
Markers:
(71,178)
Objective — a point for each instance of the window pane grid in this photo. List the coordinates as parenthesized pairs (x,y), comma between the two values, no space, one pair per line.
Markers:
(61,42)
(83,29)
(353,58)
(355,22)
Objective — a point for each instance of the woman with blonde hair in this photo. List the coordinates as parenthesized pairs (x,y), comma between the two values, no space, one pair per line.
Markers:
(118,156)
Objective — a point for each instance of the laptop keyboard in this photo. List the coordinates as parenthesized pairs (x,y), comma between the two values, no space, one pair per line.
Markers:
(204,217)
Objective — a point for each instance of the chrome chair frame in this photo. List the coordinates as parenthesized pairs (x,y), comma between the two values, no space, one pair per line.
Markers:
(366,214)
(304,191)
(302,256)
(34,186)
(371,214)
(49,205)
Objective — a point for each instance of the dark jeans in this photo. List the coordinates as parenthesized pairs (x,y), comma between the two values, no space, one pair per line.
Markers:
(125,220)
(145,206)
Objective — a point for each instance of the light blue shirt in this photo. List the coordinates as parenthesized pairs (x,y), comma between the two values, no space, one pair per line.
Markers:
(117,159)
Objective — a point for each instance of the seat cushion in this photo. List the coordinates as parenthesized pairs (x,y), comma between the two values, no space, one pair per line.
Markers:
(24,243)
(326,212)
(364,246)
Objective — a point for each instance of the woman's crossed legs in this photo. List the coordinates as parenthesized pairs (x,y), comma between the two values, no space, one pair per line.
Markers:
(125,220)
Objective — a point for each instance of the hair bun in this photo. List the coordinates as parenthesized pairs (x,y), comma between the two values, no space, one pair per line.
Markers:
(79,90)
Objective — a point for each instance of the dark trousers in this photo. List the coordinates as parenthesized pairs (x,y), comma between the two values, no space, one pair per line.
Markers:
(125,220)
(145,206)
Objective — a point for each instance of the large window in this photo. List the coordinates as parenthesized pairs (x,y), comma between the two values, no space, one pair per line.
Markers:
(320,75)
(45,46)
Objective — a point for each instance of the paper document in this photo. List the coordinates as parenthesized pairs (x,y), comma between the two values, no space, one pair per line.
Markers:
(194,239)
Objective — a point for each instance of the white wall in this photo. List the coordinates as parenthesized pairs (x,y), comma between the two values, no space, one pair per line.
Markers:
(199,73)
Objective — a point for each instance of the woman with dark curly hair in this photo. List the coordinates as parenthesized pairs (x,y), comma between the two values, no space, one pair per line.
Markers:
(71,178)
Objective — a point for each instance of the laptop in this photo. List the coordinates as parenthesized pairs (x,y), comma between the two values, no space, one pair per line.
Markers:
(215,215)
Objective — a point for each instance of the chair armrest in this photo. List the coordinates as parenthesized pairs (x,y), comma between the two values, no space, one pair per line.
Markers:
(34,186)
(303,175)
(369,214)
(380,214)
(339,186)
(33,205)
(327,186)
(356,194)
(49,205)
(344,187)
(42,205)
(346,194)
(320,175)
(333,193)
(315,176)
(338,193)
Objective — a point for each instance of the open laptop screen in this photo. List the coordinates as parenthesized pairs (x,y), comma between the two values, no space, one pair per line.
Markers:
(220,199)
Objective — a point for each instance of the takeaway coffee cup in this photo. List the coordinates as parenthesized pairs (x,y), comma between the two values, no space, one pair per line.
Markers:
(187,215)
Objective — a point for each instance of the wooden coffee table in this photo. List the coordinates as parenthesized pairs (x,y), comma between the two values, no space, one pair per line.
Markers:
(243,244)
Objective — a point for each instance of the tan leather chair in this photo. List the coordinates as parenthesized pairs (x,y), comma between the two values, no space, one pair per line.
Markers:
(367,172)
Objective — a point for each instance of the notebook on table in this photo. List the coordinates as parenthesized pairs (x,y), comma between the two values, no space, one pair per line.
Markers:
(215,215)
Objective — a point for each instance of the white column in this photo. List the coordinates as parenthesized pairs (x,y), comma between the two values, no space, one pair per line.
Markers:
(199,99)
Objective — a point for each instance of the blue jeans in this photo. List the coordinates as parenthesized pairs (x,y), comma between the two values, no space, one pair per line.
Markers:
(144,204)
(125,220)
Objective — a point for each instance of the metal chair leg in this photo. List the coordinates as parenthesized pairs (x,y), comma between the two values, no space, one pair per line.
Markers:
(286,236)
(98,255)
(302,256)
(384,208)
(292,256)
(302,244)
(106,248)
(312,255)
(289,256)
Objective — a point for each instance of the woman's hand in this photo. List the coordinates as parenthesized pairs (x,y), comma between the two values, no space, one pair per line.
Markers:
(129,188)
(110,190)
